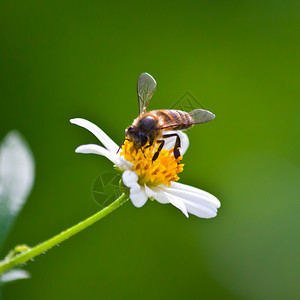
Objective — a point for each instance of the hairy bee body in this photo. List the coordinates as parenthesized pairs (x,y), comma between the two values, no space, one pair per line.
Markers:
(154,122)
(149,128)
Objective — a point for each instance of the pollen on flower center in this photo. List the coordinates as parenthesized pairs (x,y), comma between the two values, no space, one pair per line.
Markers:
(163,170)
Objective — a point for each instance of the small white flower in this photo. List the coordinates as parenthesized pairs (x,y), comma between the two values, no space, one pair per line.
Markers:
(152,180)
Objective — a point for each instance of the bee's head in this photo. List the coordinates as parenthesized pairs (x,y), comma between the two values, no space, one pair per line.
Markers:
(138,137)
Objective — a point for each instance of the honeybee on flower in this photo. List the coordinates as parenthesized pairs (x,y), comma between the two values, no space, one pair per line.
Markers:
(150,127)
(150,156)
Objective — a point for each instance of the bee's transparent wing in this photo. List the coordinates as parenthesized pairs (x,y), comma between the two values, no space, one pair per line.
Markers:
(145,89)
(200,116)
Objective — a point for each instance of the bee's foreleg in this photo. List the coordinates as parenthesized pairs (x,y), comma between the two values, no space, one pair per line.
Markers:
(150,143)
(155,156)
(177,143)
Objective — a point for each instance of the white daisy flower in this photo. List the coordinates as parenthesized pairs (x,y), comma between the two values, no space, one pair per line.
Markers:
(154,180)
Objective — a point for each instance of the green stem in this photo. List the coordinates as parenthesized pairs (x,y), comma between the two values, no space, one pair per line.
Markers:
(12,261)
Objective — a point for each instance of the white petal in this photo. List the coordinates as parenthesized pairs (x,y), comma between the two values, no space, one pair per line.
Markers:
(177,202)
(197,202)
(124,164)
(163,197)
(191,189)
(198,209)
(150,193)
(138,198)
(101,135)
(137,194)
(14,274)
(170,142)
(130,179)
(17,172)
(114,158)
(157,194)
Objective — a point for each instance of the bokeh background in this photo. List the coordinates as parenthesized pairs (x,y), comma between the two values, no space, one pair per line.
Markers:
(239,59)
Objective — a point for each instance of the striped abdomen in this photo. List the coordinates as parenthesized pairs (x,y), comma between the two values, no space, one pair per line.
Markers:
(173,119)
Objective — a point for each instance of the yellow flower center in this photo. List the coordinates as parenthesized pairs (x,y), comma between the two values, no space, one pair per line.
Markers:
(161,171)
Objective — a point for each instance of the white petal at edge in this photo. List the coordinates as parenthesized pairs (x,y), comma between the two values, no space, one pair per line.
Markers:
(196,204)
(177,202)
(137,195)
(96,131)
(17,171)
(196,208)
(161,196)
(191,189)
(114,158)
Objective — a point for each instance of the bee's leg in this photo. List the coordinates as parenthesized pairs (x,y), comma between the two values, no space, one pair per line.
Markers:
(155,156)
(143,152)
(150,143)
(126,139)
(177,143)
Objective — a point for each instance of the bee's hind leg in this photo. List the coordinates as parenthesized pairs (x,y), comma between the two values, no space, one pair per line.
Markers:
(155,156)
(177,143)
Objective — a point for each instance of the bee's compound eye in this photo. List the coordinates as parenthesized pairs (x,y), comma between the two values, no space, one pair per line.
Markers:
(142,139)
(129,129)
(131,132)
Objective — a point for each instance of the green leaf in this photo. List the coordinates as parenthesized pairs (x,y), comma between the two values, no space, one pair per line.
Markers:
(16,179)
(12,275)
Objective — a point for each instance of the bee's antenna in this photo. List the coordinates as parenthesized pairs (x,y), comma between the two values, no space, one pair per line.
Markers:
(126,139)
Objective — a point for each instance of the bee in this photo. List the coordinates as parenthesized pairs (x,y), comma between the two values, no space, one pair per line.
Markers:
(150,127)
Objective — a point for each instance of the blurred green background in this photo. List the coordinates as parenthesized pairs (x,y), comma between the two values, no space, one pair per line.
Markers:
(239,59)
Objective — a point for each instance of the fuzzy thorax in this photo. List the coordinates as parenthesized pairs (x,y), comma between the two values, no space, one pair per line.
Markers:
(163,170)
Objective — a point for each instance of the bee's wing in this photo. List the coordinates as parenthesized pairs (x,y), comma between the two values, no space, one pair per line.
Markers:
(145,89)
(200,116)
